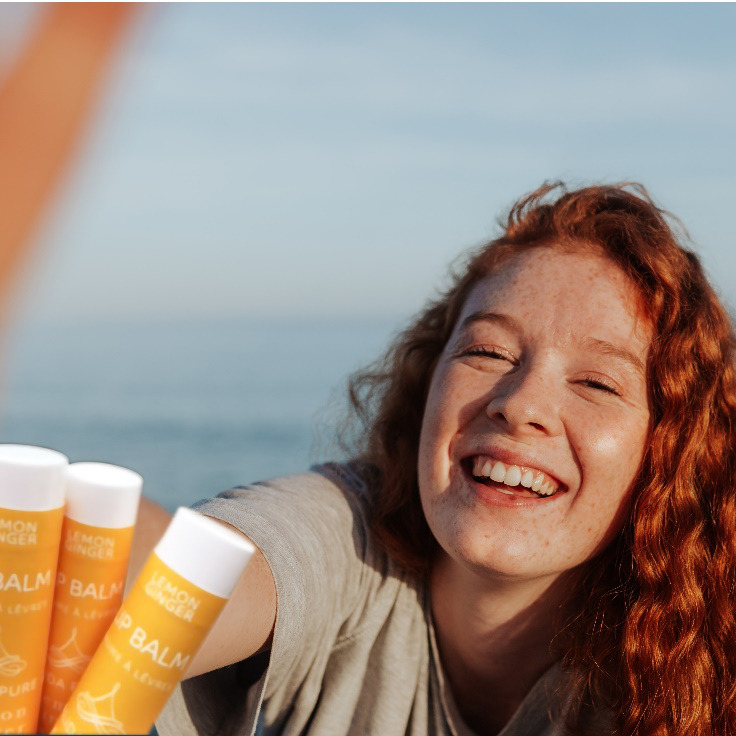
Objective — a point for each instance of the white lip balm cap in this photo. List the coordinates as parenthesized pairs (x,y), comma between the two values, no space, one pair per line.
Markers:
(102,495)
(31,478)
(205,552)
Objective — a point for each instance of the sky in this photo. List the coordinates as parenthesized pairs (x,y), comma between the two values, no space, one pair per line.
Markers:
(322,161)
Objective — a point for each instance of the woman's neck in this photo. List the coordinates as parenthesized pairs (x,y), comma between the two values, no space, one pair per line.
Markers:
(494,637)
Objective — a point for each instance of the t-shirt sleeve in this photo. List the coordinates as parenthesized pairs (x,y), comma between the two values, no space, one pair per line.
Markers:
(312,530)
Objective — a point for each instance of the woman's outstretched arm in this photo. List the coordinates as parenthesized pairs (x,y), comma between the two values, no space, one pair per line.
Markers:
(246,623)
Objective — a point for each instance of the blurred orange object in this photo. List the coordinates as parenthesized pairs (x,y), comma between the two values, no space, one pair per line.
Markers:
(44,103)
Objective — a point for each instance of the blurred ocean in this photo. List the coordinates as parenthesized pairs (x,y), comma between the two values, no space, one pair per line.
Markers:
(195,407)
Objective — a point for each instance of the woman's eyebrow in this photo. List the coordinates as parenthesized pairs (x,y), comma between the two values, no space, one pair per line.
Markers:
(503,319)
(607,348)
(591,343)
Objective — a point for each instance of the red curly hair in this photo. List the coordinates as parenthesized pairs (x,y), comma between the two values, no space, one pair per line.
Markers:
(654,633)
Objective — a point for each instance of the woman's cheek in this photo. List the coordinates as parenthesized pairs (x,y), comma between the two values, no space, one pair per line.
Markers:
(439,429)
(606,442)
(616,441)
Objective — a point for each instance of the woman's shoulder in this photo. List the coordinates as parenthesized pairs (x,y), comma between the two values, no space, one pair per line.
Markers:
(327,492)
(355,480)
(322,519)
(339,593)
(354,477)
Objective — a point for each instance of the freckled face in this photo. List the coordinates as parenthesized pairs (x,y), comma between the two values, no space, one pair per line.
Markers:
(541,365)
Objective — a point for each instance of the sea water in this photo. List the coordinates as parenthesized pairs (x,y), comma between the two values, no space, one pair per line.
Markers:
(196,407)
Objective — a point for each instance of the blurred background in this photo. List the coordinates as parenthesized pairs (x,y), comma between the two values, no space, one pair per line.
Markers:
(256,197)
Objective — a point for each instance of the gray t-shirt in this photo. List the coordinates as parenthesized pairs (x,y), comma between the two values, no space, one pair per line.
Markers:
(353,649)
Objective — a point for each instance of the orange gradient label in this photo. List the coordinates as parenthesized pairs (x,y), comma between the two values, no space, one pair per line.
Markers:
(89,589)
(144,654)
(29,547)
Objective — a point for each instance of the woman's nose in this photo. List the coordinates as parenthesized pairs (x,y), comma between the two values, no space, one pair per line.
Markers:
(526,402)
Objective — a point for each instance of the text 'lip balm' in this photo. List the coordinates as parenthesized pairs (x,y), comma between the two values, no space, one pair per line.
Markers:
(99,520)
(177,597)
(31,513)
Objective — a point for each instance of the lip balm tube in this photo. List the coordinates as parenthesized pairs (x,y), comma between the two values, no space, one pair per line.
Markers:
(171,607)
(31,513)
(99,520)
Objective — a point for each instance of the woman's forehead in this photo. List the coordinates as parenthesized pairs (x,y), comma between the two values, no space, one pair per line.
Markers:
(558,292)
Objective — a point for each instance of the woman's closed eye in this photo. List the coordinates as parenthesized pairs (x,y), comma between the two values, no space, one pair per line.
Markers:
(594,383)
(488,352)
(500,354)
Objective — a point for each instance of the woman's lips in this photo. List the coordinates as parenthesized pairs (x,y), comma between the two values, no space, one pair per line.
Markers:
(501,489)
(488,468)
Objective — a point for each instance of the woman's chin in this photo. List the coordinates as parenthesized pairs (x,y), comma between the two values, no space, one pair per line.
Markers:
(496,554)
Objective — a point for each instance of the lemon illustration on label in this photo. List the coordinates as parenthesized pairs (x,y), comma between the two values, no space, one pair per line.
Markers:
(10,664)
(68,654)
(100,711)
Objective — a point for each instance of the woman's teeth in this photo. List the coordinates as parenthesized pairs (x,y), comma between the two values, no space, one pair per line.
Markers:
(513,475)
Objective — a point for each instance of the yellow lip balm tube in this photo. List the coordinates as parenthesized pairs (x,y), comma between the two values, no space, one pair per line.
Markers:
(171,607)
(99,520)
(31,512)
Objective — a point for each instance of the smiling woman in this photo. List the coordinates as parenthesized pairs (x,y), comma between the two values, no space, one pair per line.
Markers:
(536,532)
(519,391)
